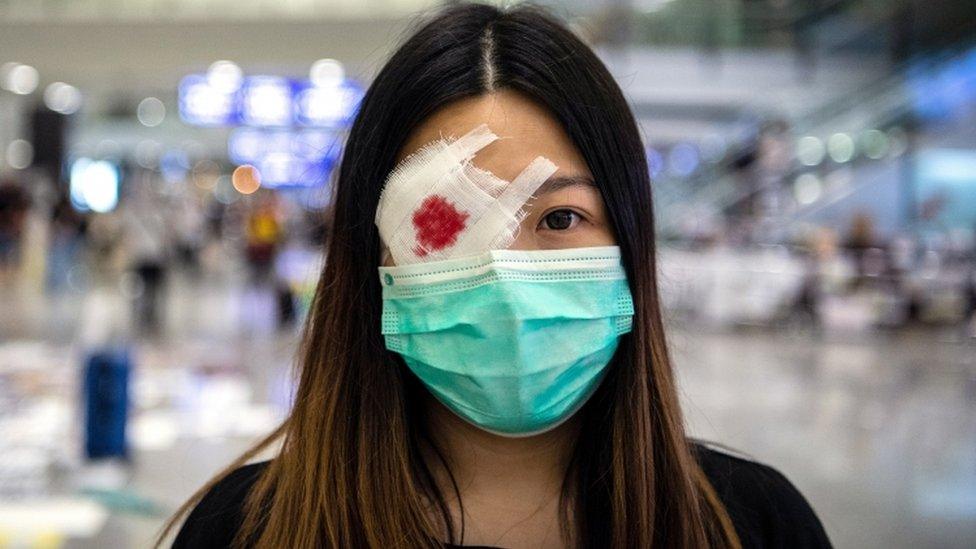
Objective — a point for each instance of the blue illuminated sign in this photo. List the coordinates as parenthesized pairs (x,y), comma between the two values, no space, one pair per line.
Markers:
(289,129)
(202,104)
(328,106)
(286,157)
(269,102)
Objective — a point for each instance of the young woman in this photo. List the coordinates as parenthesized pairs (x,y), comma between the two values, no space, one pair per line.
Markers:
(484,363)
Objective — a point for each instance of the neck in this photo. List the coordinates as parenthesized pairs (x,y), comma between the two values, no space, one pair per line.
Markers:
(483,462)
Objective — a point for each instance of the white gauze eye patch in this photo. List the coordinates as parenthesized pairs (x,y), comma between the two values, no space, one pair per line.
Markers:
(437,205)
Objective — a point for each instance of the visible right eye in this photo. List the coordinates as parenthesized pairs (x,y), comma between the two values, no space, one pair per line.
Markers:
(560,220)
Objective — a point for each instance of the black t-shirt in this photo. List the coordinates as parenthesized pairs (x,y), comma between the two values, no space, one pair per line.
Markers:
(766,509)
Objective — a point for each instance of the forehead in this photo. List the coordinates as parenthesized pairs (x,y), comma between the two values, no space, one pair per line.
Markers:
(525,129)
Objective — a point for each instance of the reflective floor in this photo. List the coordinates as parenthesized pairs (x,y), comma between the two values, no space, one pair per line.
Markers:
(877,430)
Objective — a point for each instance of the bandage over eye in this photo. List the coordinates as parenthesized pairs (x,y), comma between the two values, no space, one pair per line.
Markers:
(437,205)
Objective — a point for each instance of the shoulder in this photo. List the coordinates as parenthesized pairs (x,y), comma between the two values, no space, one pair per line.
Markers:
(765,507)
(218,515)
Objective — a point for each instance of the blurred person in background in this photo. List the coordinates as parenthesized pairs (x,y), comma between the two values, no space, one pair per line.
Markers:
(69,230)
(148,243)
(191,232)
(263,233)
(860,244)
(106,246)
(212,254)
(15,203)
(468,429)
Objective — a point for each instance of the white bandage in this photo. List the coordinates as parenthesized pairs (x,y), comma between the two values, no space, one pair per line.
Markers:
(437,205)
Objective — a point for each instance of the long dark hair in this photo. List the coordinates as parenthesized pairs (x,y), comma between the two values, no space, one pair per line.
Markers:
(351,471)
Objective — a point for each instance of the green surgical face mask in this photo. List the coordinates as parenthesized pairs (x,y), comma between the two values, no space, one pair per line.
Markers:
(512,341)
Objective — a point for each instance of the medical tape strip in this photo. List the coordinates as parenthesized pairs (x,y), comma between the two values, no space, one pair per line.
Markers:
(497,227)
(437,205)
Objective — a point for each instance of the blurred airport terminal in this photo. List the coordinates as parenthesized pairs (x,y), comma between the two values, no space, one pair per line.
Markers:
(165,170)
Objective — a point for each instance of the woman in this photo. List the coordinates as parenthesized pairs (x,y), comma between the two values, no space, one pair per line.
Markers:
(484,363)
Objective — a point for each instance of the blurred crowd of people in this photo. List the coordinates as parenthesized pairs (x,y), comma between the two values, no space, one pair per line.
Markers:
(158,230)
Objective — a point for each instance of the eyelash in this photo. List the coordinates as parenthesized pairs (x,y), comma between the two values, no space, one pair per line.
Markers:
(545,216)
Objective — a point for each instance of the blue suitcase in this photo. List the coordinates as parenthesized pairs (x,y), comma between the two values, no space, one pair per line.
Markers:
(106,397)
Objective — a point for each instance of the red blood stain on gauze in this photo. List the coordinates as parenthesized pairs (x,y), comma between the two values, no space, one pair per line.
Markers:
(438,223)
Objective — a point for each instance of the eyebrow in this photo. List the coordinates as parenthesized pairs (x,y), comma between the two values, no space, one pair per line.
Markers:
(556,183)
